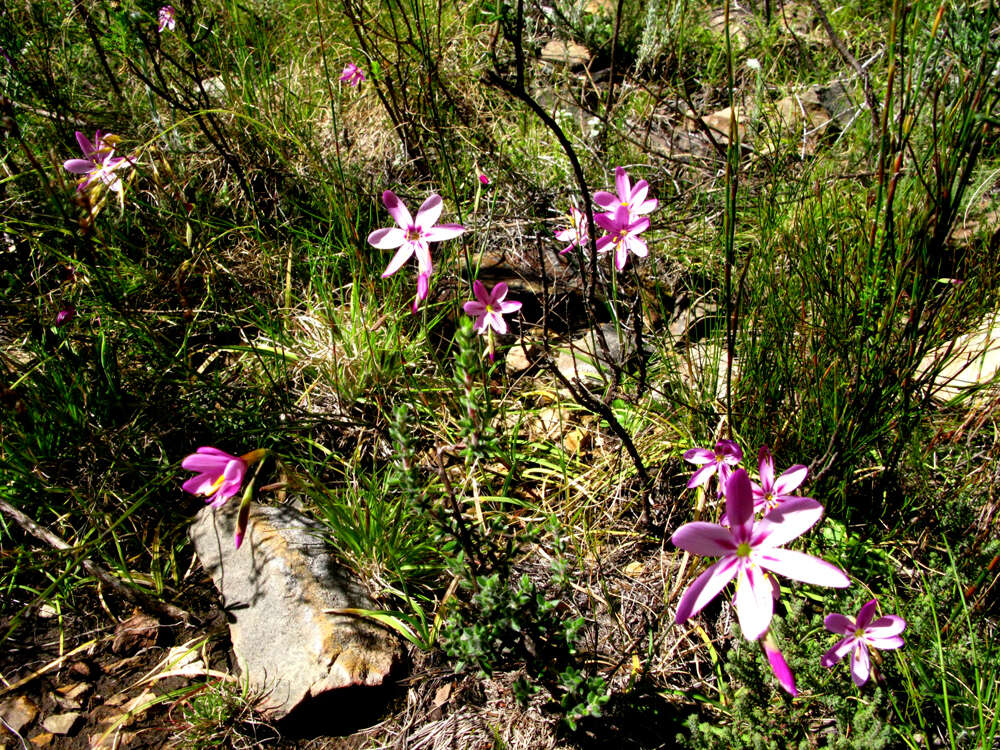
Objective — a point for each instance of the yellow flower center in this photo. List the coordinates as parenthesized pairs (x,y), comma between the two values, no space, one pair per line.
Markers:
(743,550)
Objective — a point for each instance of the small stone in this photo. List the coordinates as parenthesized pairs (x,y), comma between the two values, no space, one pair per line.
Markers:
(561,52)
(634,569)
(585,358)
(281,589)
(18,712)
(137,632)
(720,122)
(42,740)
(576,440)
(517,359)
(61,723)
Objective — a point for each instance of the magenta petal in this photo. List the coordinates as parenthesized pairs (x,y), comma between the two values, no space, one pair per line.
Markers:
(765,463)
(739,505)
(861,666)
(838,652)
(780,667)
(401,256)
(789,520)
(198,485)
(705,539)
(886,627)
(838,623)
(499,292)
(699,456)
(866,614)
(802,567)
(509,306)
(604,199)
(443,232)
(79,166)
(892,642)
(474,308)
(498,323)
(387,239)
(754,603)
(706,587)
(622,184)
(429,211)
(790,479)
(396,209)
(728,448)
(702,475)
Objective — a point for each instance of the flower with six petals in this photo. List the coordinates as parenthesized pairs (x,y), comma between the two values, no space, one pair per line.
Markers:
(772,492)
(726,455)
(99,163)
(352,75)
(861,634)
(746,550)
(412,236)
(631,197)
(576,233)
(622,235)
(488,309)
(167,17)
(219,475)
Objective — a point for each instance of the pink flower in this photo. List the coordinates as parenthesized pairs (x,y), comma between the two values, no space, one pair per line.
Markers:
(746,550)
(862,634)
(167,17)
(219,476)
(483,179)
(632,198)
(726,455)
(352,75)
(772,492)
(488,308)
(412,237)
(99,163)
(778,664)
(576,232)
(623,235)
(65,315)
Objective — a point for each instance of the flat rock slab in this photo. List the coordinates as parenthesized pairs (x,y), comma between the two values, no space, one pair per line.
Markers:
(277,589)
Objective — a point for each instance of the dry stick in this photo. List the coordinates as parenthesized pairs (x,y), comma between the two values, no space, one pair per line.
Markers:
(131,595)
(837,42)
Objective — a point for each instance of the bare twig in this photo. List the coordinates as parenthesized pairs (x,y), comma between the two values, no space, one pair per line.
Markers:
(134,596)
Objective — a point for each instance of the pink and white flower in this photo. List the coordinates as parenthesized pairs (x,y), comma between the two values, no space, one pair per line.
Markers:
(622,235)
(772,492)
(219,475)
(167,17)
(488,309)
(99,163)
(576,233)
(748,551)
(726,455)
(632,198)
(352,75)
(862,634)
(412,236)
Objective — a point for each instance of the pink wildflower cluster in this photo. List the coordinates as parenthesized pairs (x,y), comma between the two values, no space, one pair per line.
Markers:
(749,541)
(218,477)
(352,75)
(623,221)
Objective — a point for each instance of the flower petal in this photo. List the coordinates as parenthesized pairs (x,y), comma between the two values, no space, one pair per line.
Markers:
(802,567)
(429,211)
(838,652)
(387,239)
(739,505)
(779,666)
(886,627)
(396,209)
(622,184)
(866,614)
(699,456)
(838,623)
(442,232)
(604,199)
(765,464)
(861,665)
(702,475)
(498,293)
(498,323)
(705,539)
(754,603)
(892,642)
(474,308)
(401,256)
(790,479)
(79,166)
(509,306)
(705,588)
(728,448)
(787,521)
